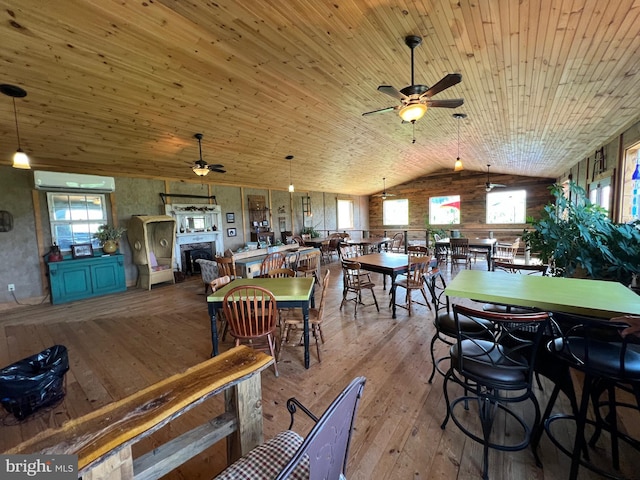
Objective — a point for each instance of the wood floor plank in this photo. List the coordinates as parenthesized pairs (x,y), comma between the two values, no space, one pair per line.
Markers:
(120,343)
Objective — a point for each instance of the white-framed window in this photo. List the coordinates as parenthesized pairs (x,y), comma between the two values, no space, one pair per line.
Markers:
(444,210)
(630,208)
(395,212)
(600,193)
(75,217)
(345,214)
(507,207)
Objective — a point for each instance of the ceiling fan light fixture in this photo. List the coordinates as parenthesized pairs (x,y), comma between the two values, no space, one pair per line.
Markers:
(200,170)
(20,159)
(412,112)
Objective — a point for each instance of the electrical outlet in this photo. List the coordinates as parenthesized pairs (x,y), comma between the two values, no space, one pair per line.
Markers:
(12,287)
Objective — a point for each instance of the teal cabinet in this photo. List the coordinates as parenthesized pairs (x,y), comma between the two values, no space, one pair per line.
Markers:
(71,280)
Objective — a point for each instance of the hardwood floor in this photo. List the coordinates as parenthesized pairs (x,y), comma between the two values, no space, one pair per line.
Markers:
(120,343)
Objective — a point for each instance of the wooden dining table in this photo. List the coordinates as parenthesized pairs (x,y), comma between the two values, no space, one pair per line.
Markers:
(294,292)
(369,243)
(486,244)
(595,298)
(386,263)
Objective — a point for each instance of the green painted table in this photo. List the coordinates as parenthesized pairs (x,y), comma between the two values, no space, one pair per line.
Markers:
(595,298)
(294,292)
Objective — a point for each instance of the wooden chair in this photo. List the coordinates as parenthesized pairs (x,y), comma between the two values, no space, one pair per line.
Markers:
(309,265)
(323,454)
(348,251)
(271,261)
(316,315)
(226,266)
(414,280)
(355,282)
(506,252)
(418,250)
(251,313)
(215,285)
(397,243)
(298,239)
(331,247)
(459,248)
(442,251)
(281,273)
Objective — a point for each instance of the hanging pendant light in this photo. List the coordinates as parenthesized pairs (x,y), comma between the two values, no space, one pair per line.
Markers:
(20,159)
(458,165)
(291,187)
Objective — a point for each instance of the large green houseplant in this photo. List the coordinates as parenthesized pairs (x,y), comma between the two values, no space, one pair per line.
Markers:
(577,238)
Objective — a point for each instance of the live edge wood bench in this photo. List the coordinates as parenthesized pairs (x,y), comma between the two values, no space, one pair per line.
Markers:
(102,439)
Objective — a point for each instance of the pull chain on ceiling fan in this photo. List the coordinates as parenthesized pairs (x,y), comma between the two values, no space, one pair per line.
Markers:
(202,168)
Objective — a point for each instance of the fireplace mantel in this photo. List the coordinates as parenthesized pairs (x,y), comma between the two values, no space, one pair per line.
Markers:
(196,224)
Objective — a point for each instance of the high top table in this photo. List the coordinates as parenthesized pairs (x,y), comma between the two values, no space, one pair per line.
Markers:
(595,298)
(295,292)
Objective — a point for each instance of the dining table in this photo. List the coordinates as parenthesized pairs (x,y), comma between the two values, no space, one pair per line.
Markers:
(581,296)
(386,263)
(368,244)
(485,244)
(292,292)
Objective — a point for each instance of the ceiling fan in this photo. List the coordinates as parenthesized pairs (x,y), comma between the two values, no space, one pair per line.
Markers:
(488,186)
(384,193)
(202,168)
(415,99)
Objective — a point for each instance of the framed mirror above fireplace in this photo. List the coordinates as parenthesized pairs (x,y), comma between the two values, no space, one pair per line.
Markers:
(199,230)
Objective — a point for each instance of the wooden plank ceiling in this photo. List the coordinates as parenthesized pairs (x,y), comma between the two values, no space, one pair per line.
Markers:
(120,87)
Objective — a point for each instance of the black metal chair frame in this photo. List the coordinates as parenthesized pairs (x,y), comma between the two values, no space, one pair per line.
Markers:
(595,348)
(495,372)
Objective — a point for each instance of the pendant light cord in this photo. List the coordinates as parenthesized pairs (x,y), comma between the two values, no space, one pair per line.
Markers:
(15,116)
(458,158)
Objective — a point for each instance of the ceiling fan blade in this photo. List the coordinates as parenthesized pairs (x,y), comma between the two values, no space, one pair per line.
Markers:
(493,185)
(453,103)
(217,170)
(447,81)
(392,92)
(381,110)
(216,165)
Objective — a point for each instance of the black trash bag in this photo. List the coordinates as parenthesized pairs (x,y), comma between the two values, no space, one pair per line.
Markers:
(34,382)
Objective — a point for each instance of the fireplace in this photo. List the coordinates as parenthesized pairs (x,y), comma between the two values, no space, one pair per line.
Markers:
(190,252)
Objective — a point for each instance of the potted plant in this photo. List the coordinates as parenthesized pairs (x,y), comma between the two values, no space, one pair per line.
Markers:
(108,235)
(311,231)
(577,238)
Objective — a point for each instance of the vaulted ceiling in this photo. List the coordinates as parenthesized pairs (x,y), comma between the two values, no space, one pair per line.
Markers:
(120,87)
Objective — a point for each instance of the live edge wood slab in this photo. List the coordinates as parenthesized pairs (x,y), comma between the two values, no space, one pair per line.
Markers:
(102,439)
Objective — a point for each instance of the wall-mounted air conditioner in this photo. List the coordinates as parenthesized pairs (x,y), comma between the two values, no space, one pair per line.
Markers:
(55,181)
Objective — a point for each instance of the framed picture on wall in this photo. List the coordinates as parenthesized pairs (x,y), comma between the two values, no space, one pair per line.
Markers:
(231,218)
(82,250)
(265,223)
(231,232)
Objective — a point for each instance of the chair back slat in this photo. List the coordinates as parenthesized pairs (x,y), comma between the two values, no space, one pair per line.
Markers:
(271,261)
(250,311)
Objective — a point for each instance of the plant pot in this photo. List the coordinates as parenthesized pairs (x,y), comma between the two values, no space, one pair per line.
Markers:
(109,247)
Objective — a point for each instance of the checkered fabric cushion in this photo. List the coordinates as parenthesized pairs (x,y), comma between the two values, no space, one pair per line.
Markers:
(265,461)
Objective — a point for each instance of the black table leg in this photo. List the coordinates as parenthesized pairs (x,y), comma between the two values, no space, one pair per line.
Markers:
(393,295)
(214,329)
(305,316)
